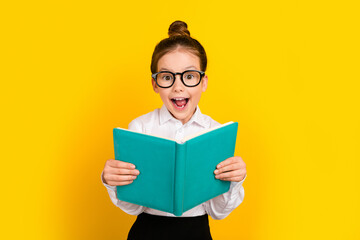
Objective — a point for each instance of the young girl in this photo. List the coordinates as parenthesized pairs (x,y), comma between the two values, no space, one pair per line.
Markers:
(178,74)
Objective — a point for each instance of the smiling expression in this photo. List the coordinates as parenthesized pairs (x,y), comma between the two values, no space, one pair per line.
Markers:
(175,61)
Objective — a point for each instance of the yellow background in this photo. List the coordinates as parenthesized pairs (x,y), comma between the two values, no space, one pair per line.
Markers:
(287,71)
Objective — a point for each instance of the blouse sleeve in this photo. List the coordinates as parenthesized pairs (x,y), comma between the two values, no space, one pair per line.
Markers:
(222,205)
(129,208)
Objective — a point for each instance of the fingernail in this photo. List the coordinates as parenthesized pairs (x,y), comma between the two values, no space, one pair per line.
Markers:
(216,176)
(218,166)
(132,166)
(133,177)
(137,172)
(216,171)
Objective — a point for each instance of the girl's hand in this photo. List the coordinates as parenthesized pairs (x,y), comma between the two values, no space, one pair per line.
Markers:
(231,169)
(118,173)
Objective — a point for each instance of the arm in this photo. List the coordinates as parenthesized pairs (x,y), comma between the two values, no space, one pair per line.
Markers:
(114,180)
(234,170)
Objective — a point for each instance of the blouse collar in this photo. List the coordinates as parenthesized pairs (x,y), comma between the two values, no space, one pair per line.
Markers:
(198,117)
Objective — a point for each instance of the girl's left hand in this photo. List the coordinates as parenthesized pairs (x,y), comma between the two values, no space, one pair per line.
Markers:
(231,169)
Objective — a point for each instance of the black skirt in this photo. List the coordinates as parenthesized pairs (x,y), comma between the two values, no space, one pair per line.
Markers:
(149,227)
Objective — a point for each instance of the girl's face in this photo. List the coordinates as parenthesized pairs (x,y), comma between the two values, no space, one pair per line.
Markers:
(176,61)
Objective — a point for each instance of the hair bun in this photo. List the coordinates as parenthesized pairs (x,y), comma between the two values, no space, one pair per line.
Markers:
(178,28)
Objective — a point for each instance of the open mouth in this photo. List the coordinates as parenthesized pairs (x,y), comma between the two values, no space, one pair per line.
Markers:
(180,103)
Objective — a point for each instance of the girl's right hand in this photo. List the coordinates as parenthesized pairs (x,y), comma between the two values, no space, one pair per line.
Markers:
(118,173)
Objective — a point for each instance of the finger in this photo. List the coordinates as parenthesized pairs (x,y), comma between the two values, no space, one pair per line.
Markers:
(228,174)
(234,179)
(234,166)
(115,183)
(226,162)
(119,178)
(120,164)
(123,171)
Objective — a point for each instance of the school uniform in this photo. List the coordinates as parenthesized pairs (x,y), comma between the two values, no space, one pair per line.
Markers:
(156,224)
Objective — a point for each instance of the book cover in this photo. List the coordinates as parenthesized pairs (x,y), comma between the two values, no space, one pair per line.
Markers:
(174,176)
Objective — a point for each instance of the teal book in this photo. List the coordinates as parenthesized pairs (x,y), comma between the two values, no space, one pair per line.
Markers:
(175,176)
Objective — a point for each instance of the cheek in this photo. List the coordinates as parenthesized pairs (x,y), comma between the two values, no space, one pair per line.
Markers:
(196,94)
(198,91)
(164,94)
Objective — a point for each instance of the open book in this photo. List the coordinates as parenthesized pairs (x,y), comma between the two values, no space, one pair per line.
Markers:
(174,176)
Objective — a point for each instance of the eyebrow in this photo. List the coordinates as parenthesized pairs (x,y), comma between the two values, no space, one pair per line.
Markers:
(189,67)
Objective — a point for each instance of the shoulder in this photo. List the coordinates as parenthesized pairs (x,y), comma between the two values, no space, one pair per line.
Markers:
(139,123)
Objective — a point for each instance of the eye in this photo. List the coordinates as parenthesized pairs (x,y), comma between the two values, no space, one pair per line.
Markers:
(166,77)
(189,76)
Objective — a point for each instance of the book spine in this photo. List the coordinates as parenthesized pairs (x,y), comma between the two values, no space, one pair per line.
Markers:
(179,178)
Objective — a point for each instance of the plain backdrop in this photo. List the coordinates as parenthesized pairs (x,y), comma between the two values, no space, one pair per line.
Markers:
(287,71)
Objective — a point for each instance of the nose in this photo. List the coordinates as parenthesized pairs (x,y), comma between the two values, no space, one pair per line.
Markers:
(178,85)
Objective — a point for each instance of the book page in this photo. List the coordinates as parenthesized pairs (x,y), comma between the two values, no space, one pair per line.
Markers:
(147,134)
(186,138)
(204,131)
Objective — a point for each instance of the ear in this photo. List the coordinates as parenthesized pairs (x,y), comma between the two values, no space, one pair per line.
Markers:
(155,87)
(204,83)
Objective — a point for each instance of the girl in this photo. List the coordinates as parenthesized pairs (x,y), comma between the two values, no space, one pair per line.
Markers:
(178,75)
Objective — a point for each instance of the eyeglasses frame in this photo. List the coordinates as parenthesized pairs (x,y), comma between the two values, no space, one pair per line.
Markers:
(154,76)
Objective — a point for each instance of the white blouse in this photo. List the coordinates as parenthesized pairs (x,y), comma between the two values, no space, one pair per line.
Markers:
(161,123)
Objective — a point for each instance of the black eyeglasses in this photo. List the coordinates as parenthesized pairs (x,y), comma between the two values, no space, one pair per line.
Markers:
(190,78)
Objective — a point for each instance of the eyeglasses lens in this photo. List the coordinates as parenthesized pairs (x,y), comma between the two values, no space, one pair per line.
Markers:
(190,78)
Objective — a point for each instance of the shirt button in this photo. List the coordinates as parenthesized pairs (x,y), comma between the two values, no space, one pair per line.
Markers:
(180,130)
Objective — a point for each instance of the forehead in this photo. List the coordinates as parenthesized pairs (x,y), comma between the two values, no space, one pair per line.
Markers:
(179,60)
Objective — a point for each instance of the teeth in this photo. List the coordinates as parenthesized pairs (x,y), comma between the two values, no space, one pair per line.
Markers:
(175,99)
